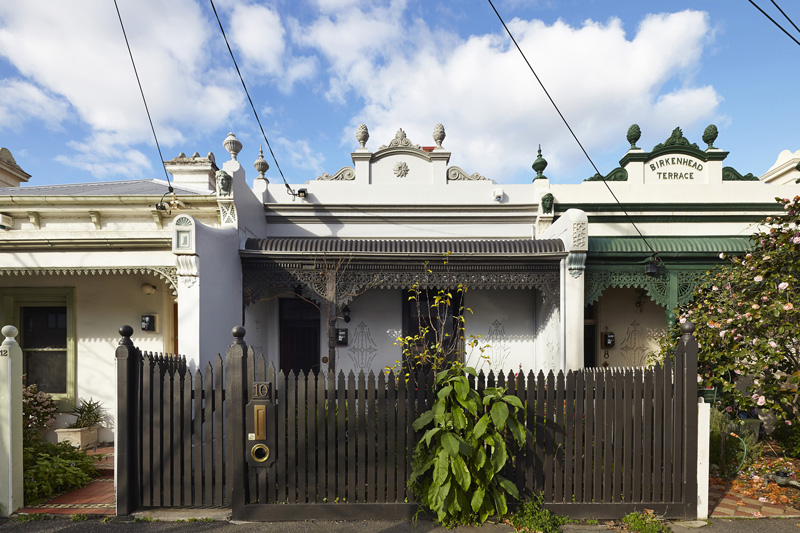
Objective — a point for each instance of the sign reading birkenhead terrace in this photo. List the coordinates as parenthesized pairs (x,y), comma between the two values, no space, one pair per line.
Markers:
(674,167)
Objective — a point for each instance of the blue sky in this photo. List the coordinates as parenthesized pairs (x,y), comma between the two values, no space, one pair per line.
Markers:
(70,110)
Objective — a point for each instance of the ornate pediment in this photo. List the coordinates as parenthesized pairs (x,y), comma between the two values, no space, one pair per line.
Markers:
(400,140)
(457,174)
(344,174)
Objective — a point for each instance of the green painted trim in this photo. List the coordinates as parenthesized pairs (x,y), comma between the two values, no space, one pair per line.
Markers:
(699,244)
(676,218)
(14,298)
(154,244)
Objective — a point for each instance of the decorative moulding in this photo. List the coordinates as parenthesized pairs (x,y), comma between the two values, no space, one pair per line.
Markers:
(400,140)
(167,274)
(344,174)
(35,219)
(97,220)
(457,174)
(400,169)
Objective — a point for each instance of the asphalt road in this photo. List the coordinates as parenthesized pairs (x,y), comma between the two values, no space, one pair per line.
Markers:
(96,525)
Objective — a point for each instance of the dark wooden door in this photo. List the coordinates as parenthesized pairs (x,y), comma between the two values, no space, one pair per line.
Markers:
(299,335)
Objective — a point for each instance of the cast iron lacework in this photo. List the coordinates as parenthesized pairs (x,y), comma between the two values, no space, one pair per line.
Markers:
(167,274)
(687,283)
(227,212)
(257,283)
(656,288)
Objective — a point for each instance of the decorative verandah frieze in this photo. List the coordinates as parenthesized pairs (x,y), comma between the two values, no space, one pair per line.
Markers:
(669,289)
(351,278)
(166,273)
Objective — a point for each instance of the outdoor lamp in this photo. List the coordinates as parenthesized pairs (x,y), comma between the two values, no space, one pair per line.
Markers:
(346,313)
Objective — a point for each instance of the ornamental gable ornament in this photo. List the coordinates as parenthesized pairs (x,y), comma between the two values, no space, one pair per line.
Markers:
(400,141)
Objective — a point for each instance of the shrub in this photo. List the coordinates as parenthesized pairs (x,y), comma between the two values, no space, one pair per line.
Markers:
(88,414)
(457,462)
(531,516)
(38,408)
(645,522)
(789,438)
(52,468)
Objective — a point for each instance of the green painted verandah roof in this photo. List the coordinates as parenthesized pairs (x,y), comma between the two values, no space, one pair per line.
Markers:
(674,245)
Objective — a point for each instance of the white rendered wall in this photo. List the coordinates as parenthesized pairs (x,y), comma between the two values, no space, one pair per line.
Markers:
(103,303)
(634,327)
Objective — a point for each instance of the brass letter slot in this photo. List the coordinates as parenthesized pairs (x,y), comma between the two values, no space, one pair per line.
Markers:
(260,422)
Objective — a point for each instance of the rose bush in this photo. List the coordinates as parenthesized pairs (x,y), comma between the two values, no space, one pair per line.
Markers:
(748,323)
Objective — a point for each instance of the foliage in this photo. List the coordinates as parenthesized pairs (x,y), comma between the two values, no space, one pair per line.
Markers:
(531,516)
(52,468)
(78,517)
(646,522)
(88,414)
(748,322)
(738,454)
(38,407)
(457,462)
(789,438)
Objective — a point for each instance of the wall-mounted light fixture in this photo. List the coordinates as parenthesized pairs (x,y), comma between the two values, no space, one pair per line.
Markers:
(497,194)
(346,313)
(651,268)
(302,193)
(148,289)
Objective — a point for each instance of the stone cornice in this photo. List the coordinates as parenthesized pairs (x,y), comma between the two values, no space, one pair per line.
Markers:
(66,243)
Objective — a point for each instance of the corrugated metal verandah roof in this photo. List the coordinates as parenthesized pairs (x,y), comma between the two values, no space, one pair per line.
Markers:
(710,244)
(491,247)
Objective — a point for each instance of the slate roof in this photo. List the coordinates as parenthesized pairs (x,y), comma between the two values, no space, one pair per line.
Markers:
(104,188)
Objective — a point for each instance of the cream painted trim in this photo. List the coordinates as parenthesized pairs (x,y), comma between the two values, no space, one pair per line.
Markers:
(167,274)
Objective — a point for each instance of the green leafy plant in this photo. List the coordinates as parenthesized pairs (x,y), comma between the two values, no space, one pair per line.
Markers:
(38,407)
(645,522)
(788,435)
(78,517)
(52,468)
(457,462)
(31,517)
(88,414)
(747,316)
(532,516)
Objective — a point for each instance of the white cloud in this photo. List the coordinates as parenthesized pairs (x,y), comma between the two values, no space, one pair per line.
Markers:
(301,155)
(482,91)
(257,32)
(21,101)
(76,50)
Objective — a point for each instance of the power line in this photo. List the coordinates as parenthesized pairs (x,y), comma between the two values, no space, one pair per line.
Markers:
(288,188)
(774,3)
(569,128)
(152,128)
(775,22)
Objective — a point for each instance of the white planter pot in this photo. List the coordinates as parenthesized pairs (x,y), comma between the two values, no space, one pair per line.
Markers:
(79,437)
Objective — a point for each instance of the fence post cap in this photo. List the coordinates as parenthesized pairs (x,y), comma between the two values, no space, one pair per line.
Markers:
(687,328)
(238,334)
(9,332)
(126,332)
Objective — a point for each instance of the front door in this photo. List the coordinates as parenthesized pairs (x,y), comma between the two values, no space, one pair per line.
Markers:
(299,335)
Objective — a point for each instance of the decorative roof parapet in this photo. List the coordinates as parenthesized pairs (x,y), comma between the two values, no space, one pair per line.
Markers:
(344,174)
(457,174)
(730,174)
(401,141)
(618,174)
(675,139)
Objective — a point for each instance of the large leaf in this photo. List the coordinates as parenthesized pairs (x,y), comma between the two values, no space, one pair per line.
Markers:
(499,456)
(470,403)
(499,414)
(517,430)
(499,501)
(477,498)
(460,472)
(480,426)
(441,468)
(462,388)
(423,420)
(513,400)
(455,445)
(459,420)
(429,435)
(444,392)
(508,486)
(479,458)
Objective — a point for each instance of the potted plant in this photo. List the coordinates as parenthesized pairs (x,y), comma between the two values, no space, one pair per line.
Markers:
(82,433)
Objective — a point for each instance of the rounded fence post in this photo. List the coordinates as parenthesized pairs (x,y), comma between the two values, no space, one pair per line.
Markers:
(11,489)
(126,438)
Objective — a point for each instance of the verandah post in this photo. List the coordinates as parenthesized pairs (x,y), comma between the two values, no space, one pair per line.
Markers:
(126,445)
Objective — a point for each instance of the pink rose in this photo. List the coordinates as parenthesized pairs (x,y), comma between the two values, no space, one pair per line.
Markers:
(788,306)
(758,279)
(783,286)
(761,400)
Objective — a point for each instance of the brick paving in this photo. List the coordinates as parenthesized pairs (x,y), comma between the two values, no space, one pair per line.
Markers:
(96,498)
(724,503)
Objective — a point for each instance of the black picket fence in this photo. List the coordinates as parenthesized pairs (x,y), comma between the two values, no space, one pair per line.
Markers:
(603,442)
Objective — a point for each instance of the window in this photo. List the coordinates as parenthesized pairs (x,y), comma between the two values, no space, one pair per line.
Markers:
(46,322)
(434,323)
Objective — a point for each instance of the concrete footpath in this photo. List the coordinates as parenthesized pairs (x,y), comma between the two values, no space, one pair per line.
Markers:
(96,524)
